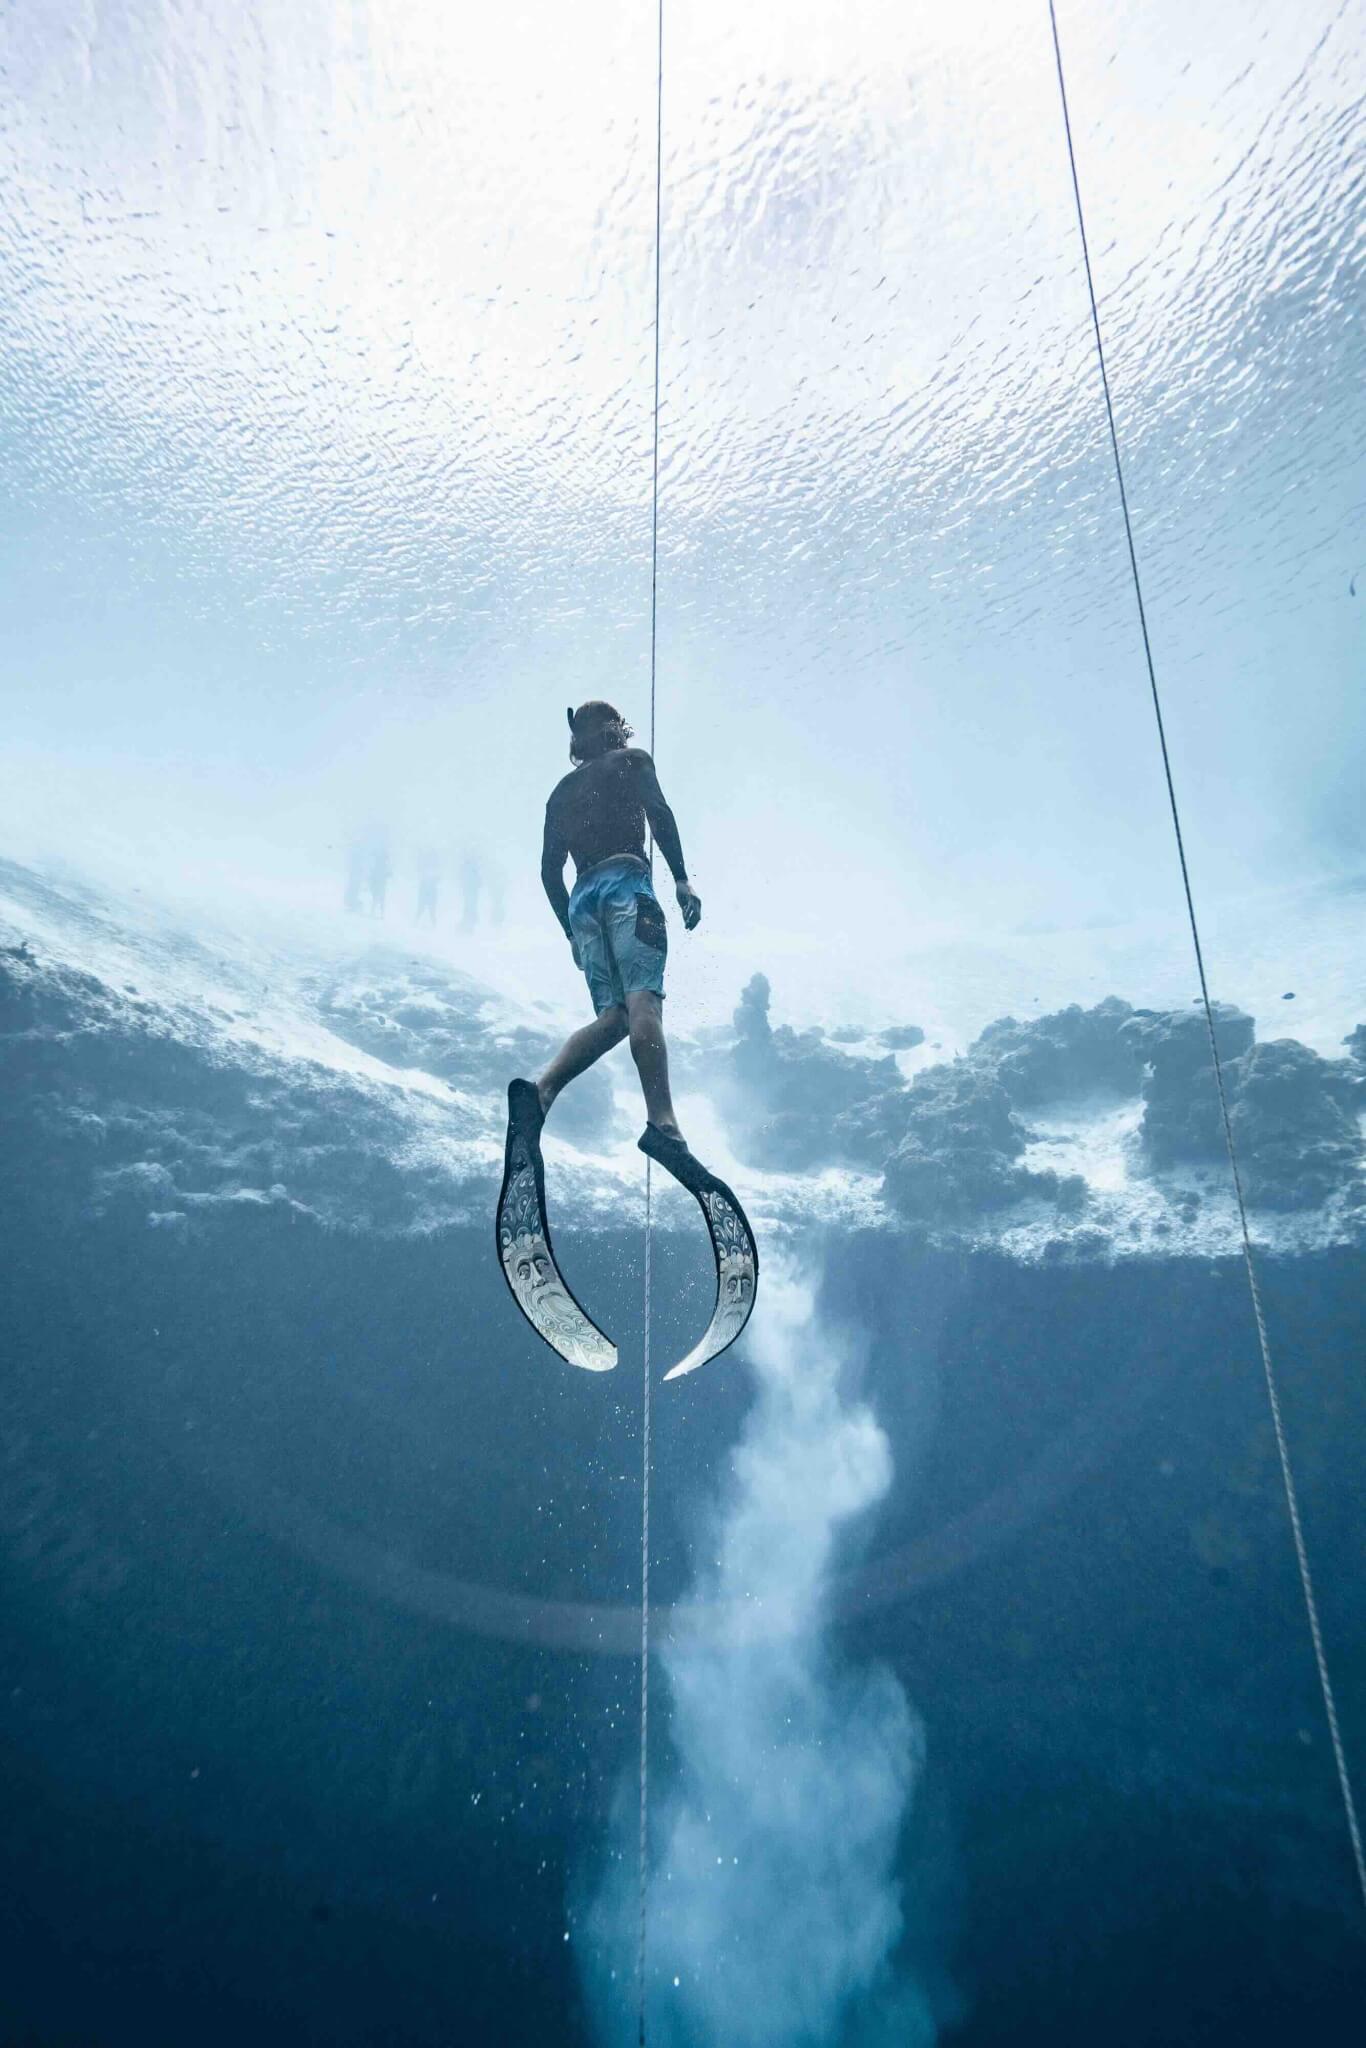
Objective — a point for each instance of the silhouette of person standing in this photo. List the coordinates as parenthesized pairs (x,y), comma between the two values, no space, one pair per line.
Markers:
(381,867)
(428,884)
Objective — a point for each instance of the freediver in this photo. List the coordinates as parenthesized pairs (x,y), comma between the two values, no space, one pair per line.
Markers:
(597,814)
(613,921)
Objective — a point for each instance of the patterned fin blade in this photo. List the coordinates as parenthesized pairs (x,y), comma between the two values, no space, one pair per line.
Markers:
(527,1258)
(737,1275)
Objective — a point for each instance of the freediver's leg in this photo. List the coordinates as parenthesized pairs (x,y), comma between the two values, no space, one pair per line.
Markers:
(580,1051)
(645,1010)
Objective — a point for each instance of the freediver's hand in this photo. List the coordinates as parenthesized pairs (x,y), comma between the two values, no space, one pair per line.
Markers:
(574,950)
(690,903)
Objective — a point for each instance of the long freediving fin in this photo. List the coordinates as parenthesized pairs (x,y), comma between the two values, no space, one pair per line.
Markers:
(732,1245)
(525,1251)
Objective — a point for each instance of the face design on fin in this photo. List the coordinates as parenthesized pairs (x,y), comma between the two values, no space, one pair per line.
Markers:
(530,1271)
(537,1286)
(735,1293)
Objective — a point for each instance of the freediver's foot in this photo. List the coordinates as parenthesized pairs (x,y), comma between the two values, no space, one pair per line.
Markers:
(671,1150)
(525,1114)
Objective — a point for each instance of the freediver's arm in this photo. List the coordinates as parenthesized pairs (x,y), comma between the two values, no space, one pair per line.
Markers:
(554,854)
(665,828)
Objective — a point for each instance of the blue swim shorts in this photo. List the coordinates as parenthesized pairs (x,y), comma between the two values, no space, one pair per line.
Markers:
(620,932)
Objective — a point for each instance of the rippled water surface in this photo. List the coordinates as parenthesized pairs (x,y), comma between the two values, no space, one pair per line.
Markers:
(327,382)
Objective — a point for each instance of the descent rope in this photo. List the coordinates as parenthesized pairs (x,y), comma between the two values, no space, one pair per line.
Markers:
(643,1843)
(1311,1607)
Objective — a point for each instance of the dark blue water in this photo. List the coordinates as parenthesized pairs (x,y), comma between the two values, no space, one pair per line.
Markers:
(270,1773)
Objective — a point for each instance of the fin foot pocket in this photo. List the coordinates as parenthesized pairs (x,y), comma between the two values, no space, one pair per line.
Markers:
(525,1251)
(524,1110)
(670,1149)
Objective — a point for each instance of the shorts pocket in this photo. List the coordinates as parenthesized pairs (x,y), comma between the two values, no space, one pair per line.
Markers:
(651,929)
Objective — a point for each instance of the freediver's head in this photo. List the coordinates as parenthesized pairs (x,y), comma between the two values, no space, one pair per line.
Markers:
(596,728)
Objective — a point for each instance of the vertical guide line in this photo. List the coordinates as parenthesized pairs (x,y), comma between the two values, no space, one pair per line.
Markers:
(643,1843)
(1311,1607)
